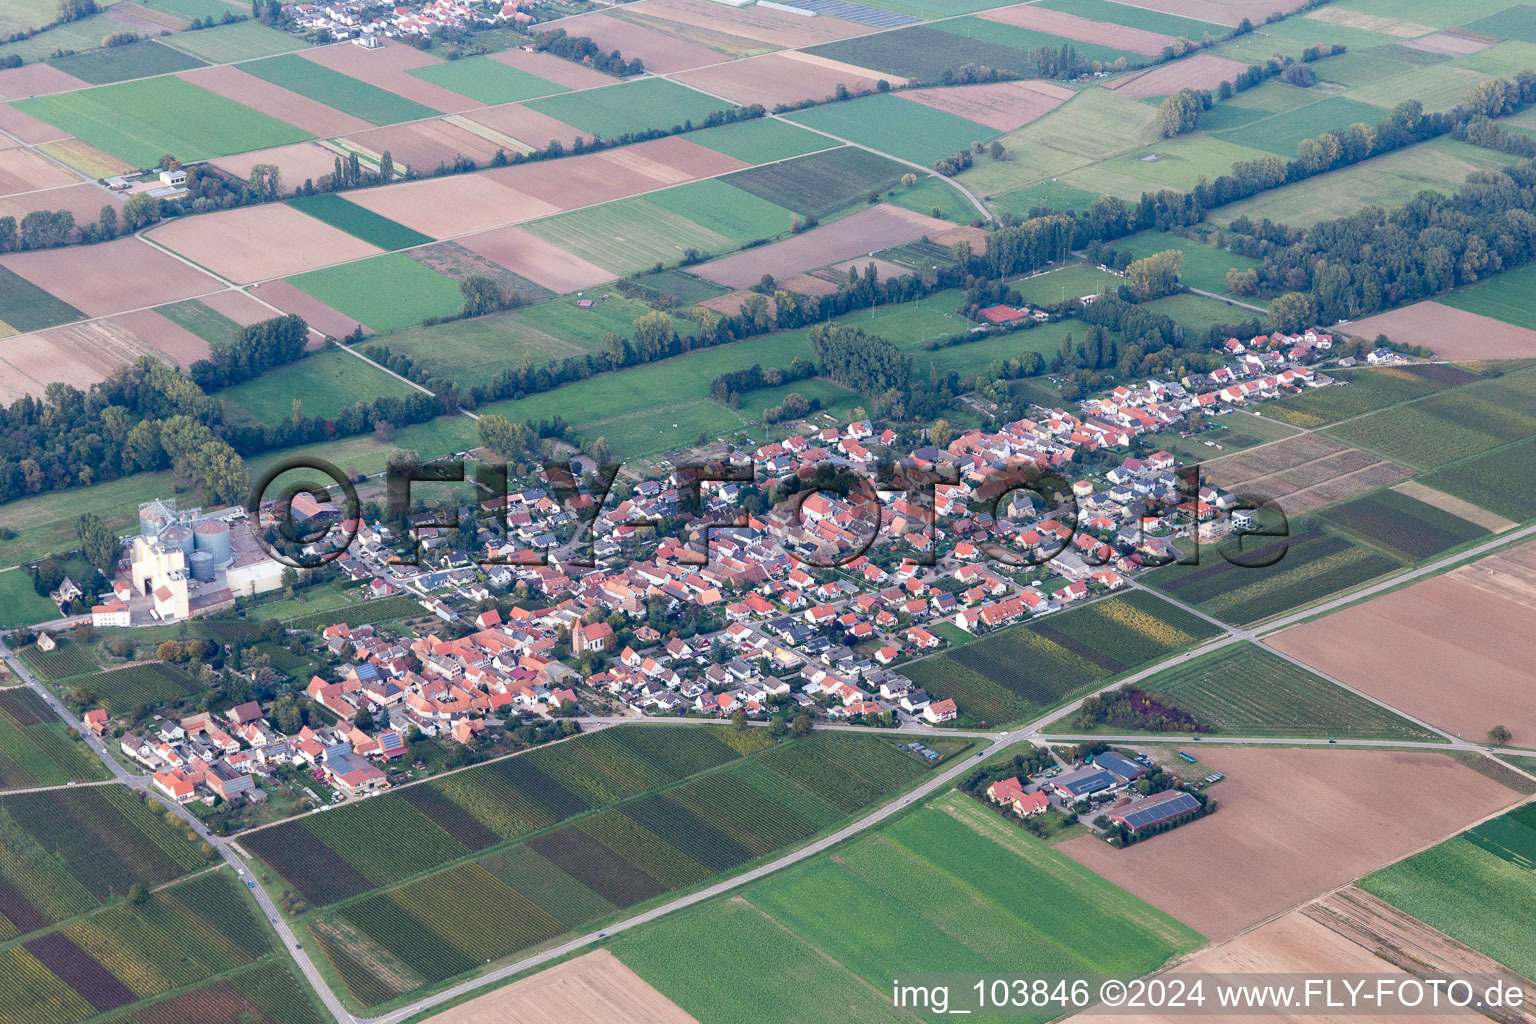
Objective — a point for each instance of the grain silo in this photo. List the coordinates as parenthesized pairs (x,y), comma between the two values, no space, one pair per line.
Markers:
(212,536)
(202,566)
(178,537)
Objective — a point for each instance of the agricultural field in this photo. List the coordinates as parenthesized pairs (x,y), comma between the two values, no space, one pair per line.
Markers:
(948,887)
(69,851)
(341,92)
(1404,526)
(1496,480)
(761,140)
(325,385)
(69,658)
(1506,296)
(1451,425)
(1471,887)
(123,689)
(890,124)
(1178,164)
(1051,195)
(1205,266)
(225,44)
(823,183)
(1368,390)
(1138,17)
(266,993)
(486,80)
(923,53)
(143,59)
(384,293)
(1024,670)
(397,607)
(30,308)
(1311,565)
(1282,133)
(1199,313)
(1245,690)
(35,749)
(142,121)
(611,111)
(202,320)
(20,603)
(934,193)
(357,221)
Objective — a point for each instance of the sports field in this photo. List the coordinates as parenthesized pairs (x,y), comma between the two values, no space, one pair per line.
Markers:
(761,140)
(359,222)
(1246,690)
(910,131)
(384,293)
(611,111)
(142,121)
(142,59)
(334,89)
(1070,282)
(823,183)
(1205,266)
(26,307)
(324,384)
(950,887)
(491,82)
(225,44)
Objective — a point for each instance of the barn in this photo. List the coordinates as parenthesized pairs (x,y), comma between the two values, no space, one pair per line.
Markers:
(1154,810)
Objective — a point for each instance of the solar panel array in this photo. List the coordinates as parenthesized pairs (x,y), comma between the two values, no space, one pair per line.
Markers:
(1179,803)
(849,11)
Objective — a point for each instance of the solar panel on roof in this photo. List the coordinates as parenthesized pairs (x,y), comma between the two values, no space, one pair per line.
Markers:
(1182,803)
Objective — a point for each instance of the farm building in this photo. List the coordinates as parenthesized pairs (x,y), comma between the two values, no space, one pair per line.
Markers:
(1122,767)
(1154,810)
(1083,782)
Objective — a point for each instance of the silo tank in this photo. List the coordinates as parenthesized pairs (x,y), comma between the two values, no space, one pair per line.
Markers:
(202,566)
(178,537)
(213,537)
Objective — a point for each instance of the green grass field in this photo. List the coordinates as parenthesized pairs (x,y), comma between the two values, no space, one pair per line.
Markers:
(1282,133)
(1205,266)
(1514,22)
(1245,690)
(612,110)
(937,8)
(334,89)
(325,384)
(83,34)
(188,9)
(923,53)
(1386,181)
(142,121)
(20,604)
(1467,892)
(1138,17)
(1450,425)
(1200,312)
(26,307)
(202,320)
(385,292)
(225,44)
(371,227)
(950,887)
(1439,87)
(1509,296)
(118,63)
(1069,282)
(1055,195)
(935,193)
(823,183)
(486,80)
(890,124)
(761,140)
(1171,163)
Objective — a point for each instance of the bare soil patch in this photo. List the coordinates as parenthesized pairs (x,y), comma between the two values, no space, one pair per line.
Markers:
(323,318)
(1086,30)
(113,277)
(730,303)
(146,20)
(806,284)
(239,307)
(1455,506)
(177,344)
(386,68)
(594,178)
(1001,105)
(83,200)
(524,129)
(530,256)
(1232,470)
(1452,333)
(1315,482)
(1453,650)
(454,205)
(77,354)
(259,242)
(976,237)
(275,101)
(593,987)
(657,50)
(554,69)
(877,227)
(1300,822)
(28,128)
(37,80)
(297,162)
(1202,71)
(1449,44)
(1368,22)
(423,145)
(776,28)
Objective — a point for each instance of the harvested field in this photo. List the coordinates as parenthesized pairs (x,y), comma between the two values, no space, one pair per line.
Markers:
(1234,470)
(28,128)
(86,158)
(84,200)
(112,277)
(317,314)
(595,986)
(453,205)
(284,104)
(730,303)
(787,77)
(1202,71)
(542,262)
(1470,626)
(776,28)
(552,68)
(260,242)
(1222,12)
(1452,333)
(1301,823)
(616,173)
(804,284)
(145,20)
(422,145)
(22,170)
(658,51)
(297,162)
(523,129)
(1449,44)
(1312,483)
(866,231)
(1382,24)
(1084,30)
(78,354)
(1005,106)
(36,80)
(453,260)
(239,307)
(1455,506)
(176,343)
(386,68)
